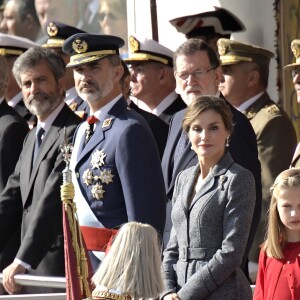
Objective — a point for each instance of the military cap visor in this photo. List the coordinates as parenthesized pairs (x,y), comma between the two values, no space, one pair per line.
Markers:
(295,47)
(85,48)
(144,49)
(14,45)
(233,52)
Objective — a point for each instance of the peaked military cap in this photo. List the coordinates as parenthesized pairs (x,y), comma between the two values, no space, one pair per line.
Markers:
(84,48)
(295,47)
(211,21)
(58,32)
(232,52)
(145,49)
(14,45)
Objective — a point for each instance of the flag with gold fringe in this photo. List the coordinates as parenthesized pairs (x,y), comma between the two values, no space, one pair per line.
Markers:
(77,264)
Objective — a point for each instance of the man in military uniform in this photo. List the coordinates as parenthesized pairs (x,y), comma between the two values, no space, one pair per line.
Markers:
(57,33)
(245,79)
(115,161)
(209,25)
(152,78)
(294,68)
(11,47)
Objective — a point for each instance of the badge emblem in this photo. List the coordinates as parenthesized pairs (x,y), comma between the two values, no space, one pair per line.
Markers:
(296,49)
(52,29)
(222,48)
(79,46)
(97,191)
(106,122)
(134,44)
(97,160)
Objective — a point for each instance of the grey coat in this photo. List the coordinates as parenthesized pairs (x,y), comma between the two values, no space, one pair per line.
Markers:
(208,239)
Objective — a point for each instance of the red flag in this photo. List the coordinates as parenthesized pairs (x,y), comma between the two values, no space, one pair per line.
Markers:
(77,263)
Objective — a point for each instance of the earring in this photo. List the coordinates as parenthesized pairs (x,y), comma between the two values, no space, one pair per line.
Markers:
(227,142)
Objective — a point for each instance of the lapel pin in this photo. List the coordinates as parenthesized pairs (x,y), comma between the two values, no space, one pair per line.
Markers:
(106,122)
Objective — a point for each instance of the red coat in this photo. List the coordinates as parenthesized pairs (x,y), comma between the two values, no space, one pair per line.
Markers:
(269,271)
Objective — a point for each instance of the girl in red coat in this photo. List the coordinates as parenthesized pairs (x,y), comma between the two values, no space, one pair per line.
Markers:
(278,275)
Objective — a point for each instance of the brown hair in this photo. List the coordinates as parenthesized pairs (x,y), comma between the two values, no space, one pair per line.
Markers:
(203,103)
(276,233)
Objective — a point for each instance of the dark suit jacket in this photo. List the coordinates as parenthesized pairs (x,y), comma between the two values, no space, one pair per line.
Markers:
(175,107)
(13,130)
(22,110)
(242,147)
(32,199)
(136,190)
(158,127)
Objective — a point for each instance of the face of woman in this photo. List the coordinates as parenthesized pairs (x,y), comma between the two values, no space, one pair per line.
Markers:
(208,136)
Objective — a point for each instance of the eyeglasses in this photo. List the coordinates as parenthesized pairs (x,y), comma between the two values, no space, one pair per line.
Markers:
(295,72)
(197,74)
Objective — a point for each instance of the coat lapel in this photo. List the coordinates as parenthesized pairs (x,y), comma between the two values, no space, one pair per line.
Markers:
(216,176)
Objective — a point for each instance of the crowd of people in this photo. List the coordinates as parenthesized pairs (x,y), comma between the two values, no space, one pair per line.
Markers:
(180,151)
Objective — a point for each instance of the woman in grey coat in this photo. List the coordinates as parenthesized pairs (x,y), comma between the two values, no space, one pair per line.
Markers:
(213,205)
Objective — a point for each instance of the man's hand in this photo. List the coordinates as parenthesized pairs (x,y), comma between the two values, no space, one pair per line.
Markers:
(8,277)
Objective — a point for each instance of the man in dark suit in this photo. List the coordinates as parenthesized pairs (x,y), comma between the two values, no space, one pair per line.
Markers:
(11,47)
(57,33)
(158,127)
(198,72)
(115,161)
(152,78)
(31,198)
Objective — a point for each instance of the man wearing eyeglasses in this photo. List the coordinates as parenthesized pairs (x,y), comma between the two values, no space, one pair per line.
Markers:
(197,71)
(294,68)
(152,78)
(245,79)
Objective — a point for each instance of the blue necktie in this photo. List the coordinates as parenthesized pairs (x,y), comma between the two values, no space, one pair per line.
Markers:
(38,141)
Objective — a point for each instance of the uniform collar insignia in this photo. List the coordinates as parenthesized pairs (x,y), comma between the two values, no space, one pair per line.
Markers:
(106,122)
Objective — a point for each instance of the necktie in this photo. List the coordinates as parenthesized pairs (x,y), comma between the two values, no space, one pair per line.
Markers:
(90,127)
(38,141)
(179,150)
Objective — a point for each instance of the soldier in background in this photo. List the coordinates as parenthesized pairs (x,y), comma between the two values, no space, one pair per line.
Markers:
(20,18)
(294,68)
(245,80)
(209,25)
(152,78)
(11,47)
(57,33)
